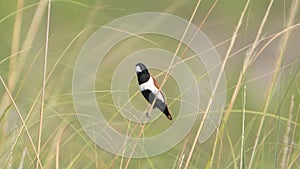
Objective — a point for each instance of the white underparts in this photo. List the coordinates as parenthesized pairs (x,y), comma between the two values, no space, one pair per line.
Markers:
(149,85)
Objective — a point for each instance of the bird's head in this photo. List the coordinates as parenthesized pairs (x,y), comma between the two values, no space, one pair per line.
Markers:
(141,68)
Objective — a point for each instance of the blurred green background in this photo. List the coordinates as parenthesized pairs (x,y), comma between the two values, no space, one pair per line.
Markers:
(64,144)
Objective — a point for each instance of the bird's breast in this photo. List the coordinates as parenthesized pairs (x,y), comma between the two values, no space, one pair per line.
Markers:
(149,85)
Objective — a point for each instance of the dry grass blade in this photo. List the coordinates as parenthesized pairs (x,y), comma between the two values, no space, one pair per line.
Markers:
(15,69)
(182,153)
(247,63)
(286,139)
(44,84)
(22,158)
(11,154)
(242,165)
(180,44)
(211,161)
(199,27)
(58,142)
(293,137)
(124,148)
(218,80)
(181,161)
(23,123)
(296,153)
(133,149)
(282,45)
(5,100)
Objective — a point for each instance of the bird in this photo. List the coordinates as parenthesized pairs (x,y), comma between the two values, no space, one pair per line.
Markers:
(151,90)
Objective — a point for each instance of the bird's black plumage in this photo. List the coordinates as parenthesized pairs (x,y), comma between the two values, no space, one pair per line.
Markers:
(150,89)
(144,75)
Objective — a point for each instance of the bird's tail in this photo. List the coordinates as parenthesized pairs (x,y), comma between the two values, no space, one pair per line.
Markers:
(167,113)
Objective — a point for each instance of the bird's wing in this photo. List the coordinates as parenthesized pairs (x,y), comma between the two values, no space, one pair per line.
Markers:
(159,95)
(155,82)
(152,86)
(159,103)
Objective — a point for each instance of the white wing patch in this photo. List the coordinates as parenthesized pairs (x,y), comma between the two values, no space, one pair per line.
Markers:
(149,85)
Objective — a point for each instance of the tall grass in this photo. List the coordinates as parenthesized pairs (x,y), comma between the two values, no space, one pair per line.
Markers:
(42,40)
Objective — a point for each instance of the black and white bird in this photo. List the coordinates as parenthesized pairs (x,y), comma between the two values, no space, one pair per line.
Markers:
(150,90)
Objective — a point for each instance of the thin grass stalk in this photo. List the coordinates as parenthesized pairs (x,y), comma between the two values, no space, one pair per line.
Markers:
(72,164)
(133,149)
(278,125)
(16,68)
(211,161)
(220,150)
(22,158)
(279,108)
(32,32)
(218,80)
(96,156)
(58,143)
(293,137)
(179,45)
(199,27)
(294,8)
(50,154)
(11,152)
(130,156)
(249,58)
(182,153)
(23,123)
(296,154)
(14,71)
(181,161)
(44,84)
(5,100)
(294,160)
(81,38)
(39,94)
(124,148)
(56,133)
(286,139)
(242,165)
(247,63)
(234,159)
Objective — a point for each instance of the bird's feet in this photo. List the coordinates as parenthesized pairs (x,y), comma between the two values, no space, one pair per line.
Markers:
(148,115)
